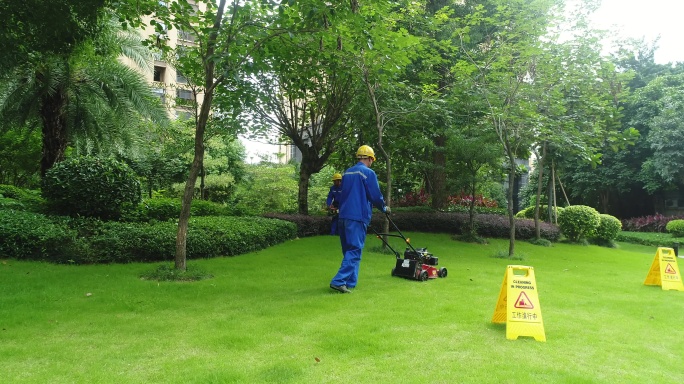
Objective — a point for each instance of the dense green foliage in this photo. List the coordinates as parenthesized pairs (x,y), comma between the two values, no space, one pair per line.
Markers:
(91,187)
(21,199)
(488,225)
(31,236)
(676,228)
(578,222)
(608,229)
(528,213)
(444,91)
(163,209)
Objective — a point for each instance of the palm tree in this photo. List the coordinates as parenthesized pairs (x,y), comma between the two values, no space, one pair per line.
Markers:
(89,98)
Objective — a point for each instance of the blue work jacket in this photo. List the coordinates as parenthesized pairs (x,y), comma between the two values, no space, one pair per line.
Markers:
(334,196)
(360,191)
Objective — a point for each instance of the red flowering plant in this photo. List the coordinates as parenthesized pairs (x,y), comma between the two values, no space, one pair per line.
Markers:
(464,200)
(413,199)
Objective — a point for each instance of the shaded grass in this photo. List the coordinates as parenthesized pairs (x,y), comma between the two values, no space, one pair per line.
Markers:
(266,317)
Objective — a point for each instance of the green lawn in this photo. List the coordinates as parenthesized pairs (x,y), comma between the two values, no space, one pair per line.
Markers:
(269,317)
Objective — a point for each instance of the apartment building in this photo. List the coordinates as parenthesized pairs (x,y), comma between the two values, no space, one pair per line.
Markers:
(174,89)
(168,83)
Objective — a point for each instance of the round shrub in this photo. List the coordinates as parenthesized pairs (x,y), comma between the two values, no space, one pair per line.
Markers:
(608,229)
(578,222)
(91,187)
(528,213)
(676,228)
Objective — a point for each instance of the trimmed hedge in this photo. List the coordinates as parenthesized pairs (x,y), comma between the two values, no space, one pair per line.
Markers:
(163,209)
(32,236)
(488,225)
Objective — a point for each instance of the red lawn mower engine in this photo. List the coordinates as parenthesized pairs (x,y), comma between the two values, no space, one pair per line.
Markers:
(418,264)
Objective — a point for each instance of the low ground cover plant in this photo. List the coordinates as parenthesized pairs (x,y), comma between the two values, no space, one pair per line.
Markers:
(654,239)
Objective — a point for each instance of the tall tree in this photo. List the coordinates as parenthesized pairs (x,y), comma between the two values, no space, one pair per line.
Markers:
(31,27)
(88,95)
(501,64)
(304,90)
(227,36)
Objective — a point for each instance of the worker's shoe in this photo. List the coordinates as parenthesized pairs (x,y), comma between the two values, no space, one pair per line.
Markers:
(340,288)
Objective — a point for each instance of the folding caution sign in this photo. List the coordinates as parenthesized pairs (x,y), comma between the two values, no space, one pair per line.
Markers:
(518,305)
(665,271)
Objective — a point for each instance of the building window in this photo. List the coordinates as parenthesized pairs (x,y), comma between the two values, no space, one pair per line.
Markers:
(183,115)
(184,97)
(159,92)
(158,74)
(180,78)
(185,35)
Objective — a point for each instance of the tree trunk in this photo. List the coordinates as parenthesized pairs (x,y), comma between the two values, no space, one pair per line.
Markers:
(511,217)
(388,193)
(540,166)
(54,130)
(439,195)
(553,190)
(471,208)
(198,160)
(303,195)
(203,192)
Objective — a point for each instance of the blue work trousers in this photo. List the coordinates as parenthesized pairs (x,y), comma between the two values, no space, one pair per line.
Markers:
(333,225)
(352,238)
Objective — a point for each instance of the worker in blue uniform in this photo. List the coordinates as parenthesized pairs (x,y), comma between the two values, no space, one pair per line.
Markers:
(360,192)
(333,201)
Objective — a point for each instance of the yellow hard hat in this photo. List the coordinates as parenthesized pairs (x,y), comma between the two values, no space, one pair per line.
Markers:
(337,176)
(365,151)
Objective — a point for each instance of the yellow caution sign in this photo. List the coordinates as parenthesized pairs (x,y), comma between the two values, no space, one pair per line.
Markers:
(522,313)
(665,271)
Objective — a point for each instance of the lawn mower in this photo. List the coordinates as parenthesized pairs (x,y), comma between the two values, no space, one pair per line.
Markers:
(417,263)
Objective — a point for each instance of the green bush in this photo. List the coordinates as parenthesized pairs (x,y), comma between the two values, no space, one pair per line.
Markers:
(163,209)
(30,236)
(22,199)
(578,222)
(675,227)
(91,187)
(528,213)
(33,236)
(608,229)
(207,237)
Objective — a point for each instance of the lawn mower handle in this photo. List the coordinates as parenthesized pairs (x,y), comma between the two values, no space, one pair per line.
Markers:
(378,235)
(401,235)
